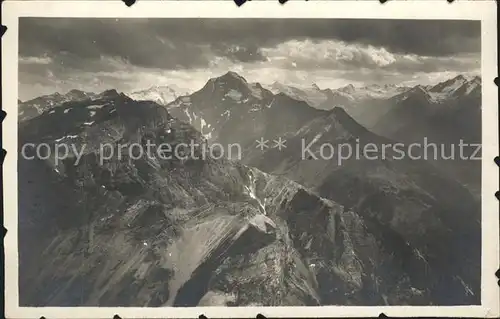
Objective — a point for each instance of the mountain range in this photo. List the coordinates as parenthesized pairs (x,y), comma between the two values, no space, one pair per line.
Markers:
(446,114)
(34,107)
(447,100)
(270,228)
(347,96)
(370,103)
(161,94)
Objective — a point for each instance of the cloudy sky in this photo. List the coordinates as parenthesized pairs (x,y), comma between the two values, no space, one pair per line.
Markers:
(132,54)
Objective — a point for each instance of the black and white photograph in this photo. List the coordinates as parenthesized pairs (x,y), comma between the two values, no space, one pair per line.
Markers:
(212,162)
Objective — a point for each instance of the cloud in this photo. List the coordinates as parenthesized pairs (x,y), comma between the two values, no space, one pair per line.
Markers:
(140,42)
(337,55)
(328,54)
(59,54)
(191,43)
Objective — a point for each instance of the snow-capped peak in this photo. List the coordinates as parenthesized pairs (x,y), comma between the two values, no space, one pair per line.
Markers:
(163,94)
(450,85)
(454,87)
(417,92)
(450,89)
(235,87)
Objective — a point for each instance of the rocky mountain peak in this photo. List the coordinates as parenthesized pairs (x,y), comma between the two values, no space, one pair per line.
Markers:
(450,85)
(232,76)
(111,93)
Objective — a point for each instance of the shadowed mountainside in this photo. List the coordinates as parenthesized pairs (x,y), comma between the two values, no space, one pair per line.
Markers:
(152,231)
(171,232)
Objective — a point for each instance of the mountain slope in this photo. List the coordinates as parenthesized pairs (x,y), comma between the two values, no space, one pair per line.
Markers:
(159,231)
(407,198)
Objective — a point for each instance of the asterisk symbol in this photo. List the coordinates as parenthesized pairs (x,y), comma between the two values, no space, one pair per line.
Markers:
(279,143)
(262,144)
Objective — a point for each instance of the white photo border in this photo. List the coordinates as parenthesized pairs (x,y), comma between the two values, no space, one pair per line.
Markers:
(485,11)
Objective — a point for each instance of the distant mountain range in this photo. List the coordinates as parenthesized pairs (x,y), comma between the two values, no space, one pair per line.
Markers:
(456,101)
(347,96)
(370,103)
(270,229)
(445,114)
(367,104)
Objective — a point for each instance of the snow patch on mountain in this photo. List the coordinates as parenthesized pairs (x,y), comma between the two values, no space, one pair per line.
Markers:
(205,129)
(93,107)
(250,190)
(270,104)
(234,95)
(66,137)
(188,115)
